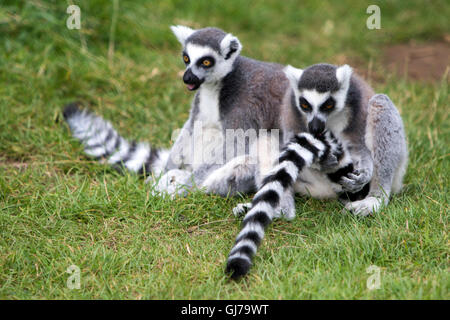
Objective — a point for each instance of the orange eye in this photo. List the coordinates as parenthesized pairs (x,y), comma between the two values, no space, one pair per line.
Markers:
(206,63)
(186,59)
(330,106)
(305,106)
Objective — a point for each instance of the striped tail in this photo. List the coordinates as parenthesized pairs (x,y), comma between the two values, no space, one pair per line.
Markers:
(301,152)
(101,141)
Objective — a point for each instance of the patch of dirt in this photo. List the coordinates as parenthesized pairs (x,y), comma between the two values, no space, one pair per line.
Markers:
(425,61)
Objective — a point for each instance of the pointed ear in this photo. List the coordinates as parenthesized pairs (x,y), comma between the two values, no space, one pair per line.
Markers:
(182,33)
(343,74)
(293,74)
(230,46)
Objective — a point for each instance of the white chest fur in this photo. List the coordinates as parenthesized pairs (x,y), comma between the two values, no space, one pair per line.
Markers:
(316,184)
(208,137)
(208,108)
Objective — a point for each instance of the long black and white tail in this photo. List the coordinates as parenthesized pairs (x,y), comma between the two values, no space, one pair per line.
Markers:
(101,141)
(301,152)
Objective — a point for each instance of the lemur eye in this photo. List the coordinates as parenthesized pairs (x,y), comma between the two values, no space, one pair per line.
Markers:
(304,104)
(186,59)
(328,105)
(206,62)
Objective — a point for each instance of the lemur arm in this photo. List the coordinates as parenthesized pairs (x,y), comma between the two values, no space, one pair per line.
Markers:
(175,178)
(181,149)
(363,167)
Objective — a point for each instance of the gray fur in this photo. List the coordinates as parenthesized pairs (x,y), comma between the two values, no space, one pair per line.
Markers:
(209,37)
(321,77)
(252,95)
(389,154)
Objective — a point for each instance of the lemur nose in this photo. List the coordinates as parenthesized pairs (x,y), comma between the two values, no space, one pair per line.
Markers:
(316,126)
(190,78)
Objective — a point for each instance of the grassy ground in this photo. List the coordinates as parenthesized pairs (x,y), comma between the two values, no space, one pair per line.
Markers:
(58,208)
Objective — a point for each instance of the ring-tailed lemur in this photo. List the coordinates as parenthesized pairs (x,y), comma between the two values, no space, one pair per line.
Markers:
(331,99)
(234,93)
(368,125)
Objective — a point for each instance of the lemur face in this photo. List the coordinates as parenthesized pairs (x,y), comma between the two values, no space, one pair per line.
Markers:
(207,53)
(320,92)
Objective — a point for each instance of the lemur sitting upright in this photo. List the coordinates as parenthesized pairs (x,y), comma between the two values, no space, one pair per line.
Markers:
(368,125)
(328,101)
(233,93)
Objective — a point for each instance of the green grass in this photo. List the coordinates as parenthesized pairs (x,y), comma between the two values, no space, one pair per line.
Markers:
(58,208)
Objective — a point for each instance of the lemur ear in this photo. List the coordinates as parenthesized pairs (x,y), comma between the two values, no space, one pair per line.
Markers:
(293,74)
(230,46)
(182,33)
(343,74)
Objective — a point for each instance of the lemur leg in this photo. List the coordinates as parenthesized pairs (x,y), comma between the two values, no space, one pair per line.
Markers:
(173,182)
(385,137)
(237,175)
(267,149)
(174,178)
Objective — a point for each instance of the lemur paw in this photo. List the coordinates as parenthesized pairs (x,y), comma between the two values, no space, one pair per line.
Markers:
(329,163)
(288,213)
(365,207)
(356,180)
(172,183)
(241,209)
(288,209)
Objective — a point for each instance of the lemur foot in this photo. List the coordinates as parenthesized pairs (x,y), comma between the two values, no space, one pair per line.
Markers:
(242,208)
(288,212)
(234,172)
(356,180)
(172,183)
(365,207)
